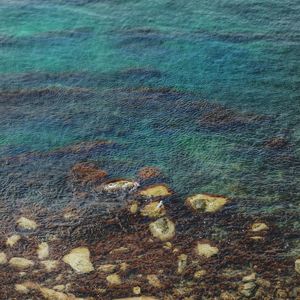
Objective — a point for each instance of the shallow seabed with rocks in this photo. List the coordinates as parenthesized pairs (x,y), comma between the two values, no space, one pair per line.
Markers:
(151,245)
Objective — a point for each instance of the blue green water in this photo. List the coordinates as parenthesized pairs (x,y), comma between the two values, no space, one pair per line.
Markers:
(240,54)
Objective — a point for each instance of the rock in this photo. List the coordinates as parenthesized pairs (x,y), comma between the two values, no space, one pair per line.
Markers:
(12,240)
(257,238)
(79,260)
(26,223)
(206,250)
(181,262)
(3,258)
(114,279)
(154,281)
(87,173)
(43,250)
(297,265)
(259,227)
(228,296)
(50,294)
(154,209)
(138,298)
(21,263)
(263,282)
(249,278)
(120,186)
(156,190)
(248,289)
(134,207)
(124,266)
(107,268)
(136,290)
(199,274)
(168,246)
(206,203)
(149,172)
(22,289)
(59,287)
(50,265)
(163,229)
(119,250)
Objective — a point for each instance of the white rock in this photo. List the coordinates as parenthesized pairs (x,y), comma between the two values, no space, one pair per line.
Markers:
(12,240)
(43,250)
(3,258)
(26,223)
(21,263)
(120,186)
(79,260)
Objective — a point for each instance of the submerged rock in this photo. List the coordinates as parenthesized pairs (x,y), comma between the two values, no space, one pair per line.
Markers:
(206,203)
(79,260)
(259,227)
(3,258)
(149,172)
(118,186)
(87,173)
(12,240)
(163,229)
(206,250)
(27,224)
(21,263)
(154,209)
(156,190)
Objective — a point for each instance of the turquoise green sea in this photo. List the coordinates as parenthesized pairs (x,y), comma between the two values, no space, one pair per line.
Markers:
(208,91)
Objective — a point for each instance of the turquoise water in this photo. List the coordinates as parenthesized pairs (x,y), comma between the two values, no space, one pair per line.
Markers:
(242,55)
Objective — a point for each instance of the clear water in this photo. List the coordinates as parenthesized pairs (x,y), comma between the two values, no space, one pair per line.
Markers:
(241,54)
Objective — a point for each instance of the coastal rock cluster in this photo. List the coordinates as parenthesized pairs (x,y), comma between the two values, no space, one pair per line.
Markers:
(156,246)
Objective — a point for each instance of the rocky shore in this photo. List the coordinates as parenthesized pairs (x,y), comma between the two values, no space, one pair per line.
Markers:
(153,245)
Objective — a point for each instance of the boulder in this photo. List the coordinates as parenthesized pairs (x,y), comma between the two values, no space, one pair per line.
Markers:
(114,279)
(12,240)
(3,258)
(297,265)
(206,202)
(119,186)
(43,250)
(163,229)
(50,265)
(259,226)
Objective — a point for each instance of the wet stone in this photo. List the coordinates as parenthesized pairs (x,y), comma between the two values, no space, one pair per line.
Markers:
(157,190)
(206,203)
(25,223)
(256,227)
(50,265)
(21,263)
(114,279)
(12,240)
(3,258)
(43,251)
(206,250)
(297,266)
(154,209)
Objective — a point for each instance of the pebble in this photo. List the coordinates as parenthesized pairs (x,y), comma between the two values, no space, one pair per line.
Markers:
(154,281)
(256,227)
(163,229)
(12,240)
(3,258)
(107,268)
(182,262)
(50,265)
(136,290)
(43,251)
(199,274)
(26,223)
(206,250)
(114,279)
(297,265)
(21,263)
(79,260)
(21,288)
